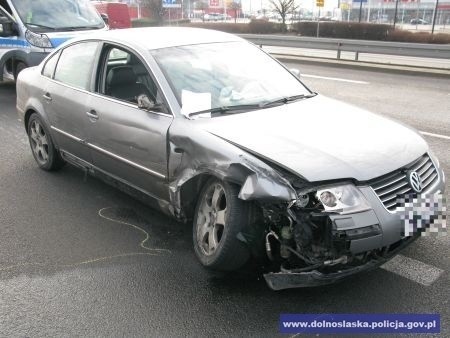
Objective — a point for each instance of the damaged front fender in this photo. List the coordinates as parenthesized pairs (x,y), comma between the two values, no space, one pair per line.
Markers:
(193,152)
(258,186)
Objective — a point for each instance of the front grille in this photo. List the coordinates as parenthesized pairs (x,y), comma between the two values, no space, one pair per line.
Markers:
(391,186)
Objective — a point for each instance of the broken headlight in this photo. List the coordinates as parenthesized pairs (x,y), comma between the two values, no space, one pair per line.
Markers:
(343,199)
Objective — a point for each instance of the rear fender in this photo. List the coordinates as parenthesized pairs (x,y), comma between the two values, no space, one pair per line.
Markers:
(35,106)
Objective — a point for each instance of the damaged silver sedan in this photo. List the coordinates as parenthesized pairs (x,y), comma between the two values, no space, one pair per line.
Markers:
(213,131)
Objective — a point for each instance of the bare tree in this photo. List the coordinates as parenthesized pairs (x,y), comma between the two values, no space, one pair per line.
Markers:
(156,9)
(284,7)
(201,5)
(235,6)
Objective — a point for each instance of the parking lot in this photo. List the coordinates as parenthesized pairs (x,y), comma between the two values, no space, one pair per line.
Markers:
(78,257)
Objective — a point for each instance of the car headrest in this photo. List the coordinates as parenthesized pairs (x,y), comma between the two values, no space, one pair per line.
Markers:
(132,59)
(122,75)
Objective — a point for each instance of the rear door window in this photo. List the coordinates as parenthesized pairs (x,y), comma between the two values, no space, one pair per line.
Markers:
(49,68)
(76,64)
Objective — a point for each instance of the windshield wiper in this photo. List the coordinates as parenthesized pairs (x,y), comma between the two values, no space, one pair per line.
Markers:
(287,99)
(227,109)
(40,26)
(246,107)
(76,28)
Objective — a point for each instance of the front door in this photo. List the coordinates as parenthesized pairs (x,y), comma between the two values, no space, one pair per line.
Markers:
(128,142)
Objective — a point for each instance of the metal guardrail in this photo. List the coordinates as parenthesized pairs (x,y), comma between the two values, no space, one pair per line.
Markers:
(436,51)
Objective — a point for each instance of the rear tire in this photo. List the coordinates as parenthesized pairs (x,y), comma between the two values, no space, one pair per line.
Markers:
(42,146)
(219,217)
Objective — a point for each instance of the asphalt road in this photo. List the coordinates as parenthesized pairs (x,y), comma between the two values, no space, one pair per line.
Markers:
(78,257)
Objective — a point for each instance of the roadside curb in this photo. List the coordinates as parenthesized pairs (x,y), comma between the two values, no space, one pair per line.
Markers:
(370,66)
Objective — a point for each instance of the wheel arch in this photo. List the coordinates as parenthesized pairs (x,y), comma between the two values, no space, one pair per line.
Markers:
(27,116)
(14,56)
(190,190)
(31,109)
(253,185)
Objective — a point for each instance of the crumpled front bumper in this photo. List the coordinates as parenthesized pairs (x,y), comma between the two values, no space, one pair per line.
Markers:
(288,280)
(365,231)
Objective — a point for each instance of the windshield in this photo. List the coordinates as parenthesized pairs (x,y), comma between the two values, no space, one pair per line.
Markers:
(210,76)
(58,15)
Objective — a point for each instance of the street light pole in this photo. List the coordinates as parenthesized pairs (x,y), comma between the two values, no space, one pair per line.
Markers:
(395,13)
(434,16)
(318,23)
(360,10)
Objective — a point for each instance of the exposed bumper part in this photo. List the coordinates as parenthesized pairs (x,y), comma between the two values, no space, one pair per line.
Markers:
(290,280)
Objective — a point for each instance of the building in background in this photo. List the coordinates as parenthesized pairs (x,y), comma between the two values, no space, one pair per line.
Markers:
(118,13)
(409,12)
(415,12)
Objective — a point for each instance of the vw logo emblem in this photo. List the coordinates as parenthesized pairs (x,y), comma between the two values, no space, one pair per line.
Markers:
(415,182)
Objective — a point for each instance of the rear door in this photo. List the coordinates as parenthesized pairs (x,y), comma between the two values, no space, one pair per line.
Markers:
(127,142)
(66,94)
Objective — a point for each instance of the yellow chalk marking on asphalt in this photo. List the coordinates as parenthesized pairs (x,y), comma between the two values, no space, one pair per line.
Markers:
(150,251)
(147,236)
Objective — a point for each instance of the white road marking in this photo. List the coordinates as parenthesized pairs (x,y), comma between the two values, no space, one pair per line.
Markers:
(412,269)
(334,79)
(435,135)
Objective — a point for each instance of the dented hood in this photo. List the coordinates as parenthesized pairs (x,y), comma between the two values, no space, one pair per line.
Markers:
(321,139)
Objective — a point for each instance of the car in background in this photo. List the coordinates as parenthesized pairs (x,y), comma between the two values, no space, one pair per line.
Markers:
(418,21)
(216,17)
(234,144)
(29,30)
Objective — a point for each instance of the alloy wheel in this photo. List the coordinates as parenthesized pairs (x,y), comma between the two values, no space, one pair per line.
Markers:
(39,142)
(211,219)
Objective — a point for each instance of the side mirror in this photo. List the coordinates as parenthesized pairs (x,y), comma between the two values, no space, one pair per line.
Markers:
(295,72)
(105,17)
(145,103)
(7,27)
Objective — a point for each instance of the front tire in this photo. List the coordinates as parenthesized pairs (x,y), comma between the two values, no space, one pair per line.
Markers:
(19,67)
(219,217)
(42,146)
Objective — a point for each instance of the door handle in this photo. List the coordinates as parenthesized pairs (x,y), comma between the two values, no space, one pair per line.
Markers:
(92,114)
(47,96)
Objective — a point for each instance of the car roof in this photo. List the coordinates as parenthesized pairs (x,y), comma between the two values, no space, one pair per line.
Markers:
(162,37)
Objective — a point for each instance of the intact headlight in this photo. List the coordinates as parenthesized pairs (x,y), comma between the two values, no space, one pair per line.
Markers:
(343,199)
(38,40)
(434,158)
